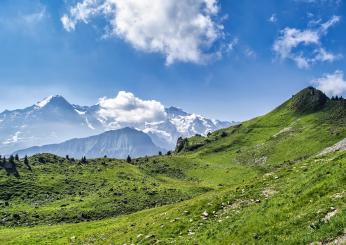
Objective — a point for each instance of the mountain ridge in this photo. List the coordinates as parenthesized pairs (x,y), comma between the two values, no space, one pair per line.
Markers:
(54,119)
(114,143)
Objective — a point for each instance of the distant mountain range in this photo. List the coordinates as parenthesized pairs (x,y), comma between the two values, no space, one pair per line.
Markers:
(115,143)
(54,120)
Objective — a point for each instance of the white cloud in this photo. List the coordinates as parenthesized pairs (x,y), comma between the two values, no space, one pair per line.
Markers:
(331,84)
(291,43)
(273,18)
(126,109)
(325,26)
(182,30)
(68,24)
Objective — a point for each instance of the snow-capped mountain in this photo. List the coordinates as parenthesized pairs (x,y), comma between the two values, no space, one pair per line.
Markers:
(180,123)
(54,120)
(51,120)
(115,143)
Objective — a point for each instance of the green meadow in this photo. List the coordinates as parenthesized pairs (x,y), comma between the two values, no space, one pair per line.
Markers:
(260,182)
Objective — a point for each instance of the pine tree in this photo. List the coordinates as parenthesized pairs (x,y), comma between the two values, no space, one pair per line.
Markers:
(26,160)
(84,160)
(128,159)
(16,157)
(11,159)
(160,153)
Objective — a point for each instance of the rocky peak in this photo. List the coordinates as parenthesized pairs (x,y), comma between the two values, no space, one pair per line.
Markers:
(308,100)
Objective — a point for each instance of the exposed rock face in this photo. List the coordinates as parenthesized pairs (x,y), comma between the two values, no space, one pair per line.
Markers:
(181,144)
(309,100)
(340,146)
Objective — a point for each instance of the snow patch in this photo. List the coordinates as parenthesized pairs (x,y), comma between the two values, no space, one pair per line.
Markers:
(15,138)
(89,124)
(80,112)
(44,102)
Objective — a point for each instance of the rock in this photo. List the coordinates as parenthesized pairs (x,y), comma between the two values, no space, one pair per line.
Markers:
(330,215)
(181,144)
(308,100)
(268,192)
(340,146)
(149,236)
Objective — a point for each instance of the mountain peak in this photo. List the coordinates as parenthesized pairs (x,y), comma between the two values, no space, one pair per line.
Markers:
(308,100)
(175,111)
(52,99)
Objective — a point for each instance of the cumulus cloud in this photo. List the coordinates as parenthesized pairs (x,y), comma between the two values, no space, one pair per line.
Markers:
(181,30)
(331,84)
(128,110)
(291,43)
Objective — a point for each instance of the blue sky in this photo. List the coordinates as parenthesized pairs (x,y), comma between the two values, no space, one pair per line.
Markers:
(248,60)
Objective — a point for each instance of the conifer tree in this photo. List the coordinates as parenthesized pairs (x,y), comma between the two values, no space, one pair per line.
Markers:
(11,159)
(128,159)
(26,160)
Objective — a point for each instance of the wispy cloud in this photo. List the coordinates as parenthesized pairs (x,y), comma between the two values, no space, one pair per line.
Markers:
(24,21)
(180,30)
(292,44)
(35,17)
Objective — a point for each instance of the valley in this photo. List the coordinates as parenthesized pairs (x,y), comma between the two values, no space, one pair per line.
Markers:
(269,180)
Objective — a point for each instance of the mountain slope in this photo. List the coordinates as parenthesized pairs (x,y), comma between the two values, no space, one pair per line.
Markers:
(285,134)
(263,182)
(116,143)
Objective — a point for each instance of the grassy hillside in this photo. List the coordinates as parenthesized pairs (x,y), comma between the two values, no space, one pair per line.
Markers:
(258,182)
